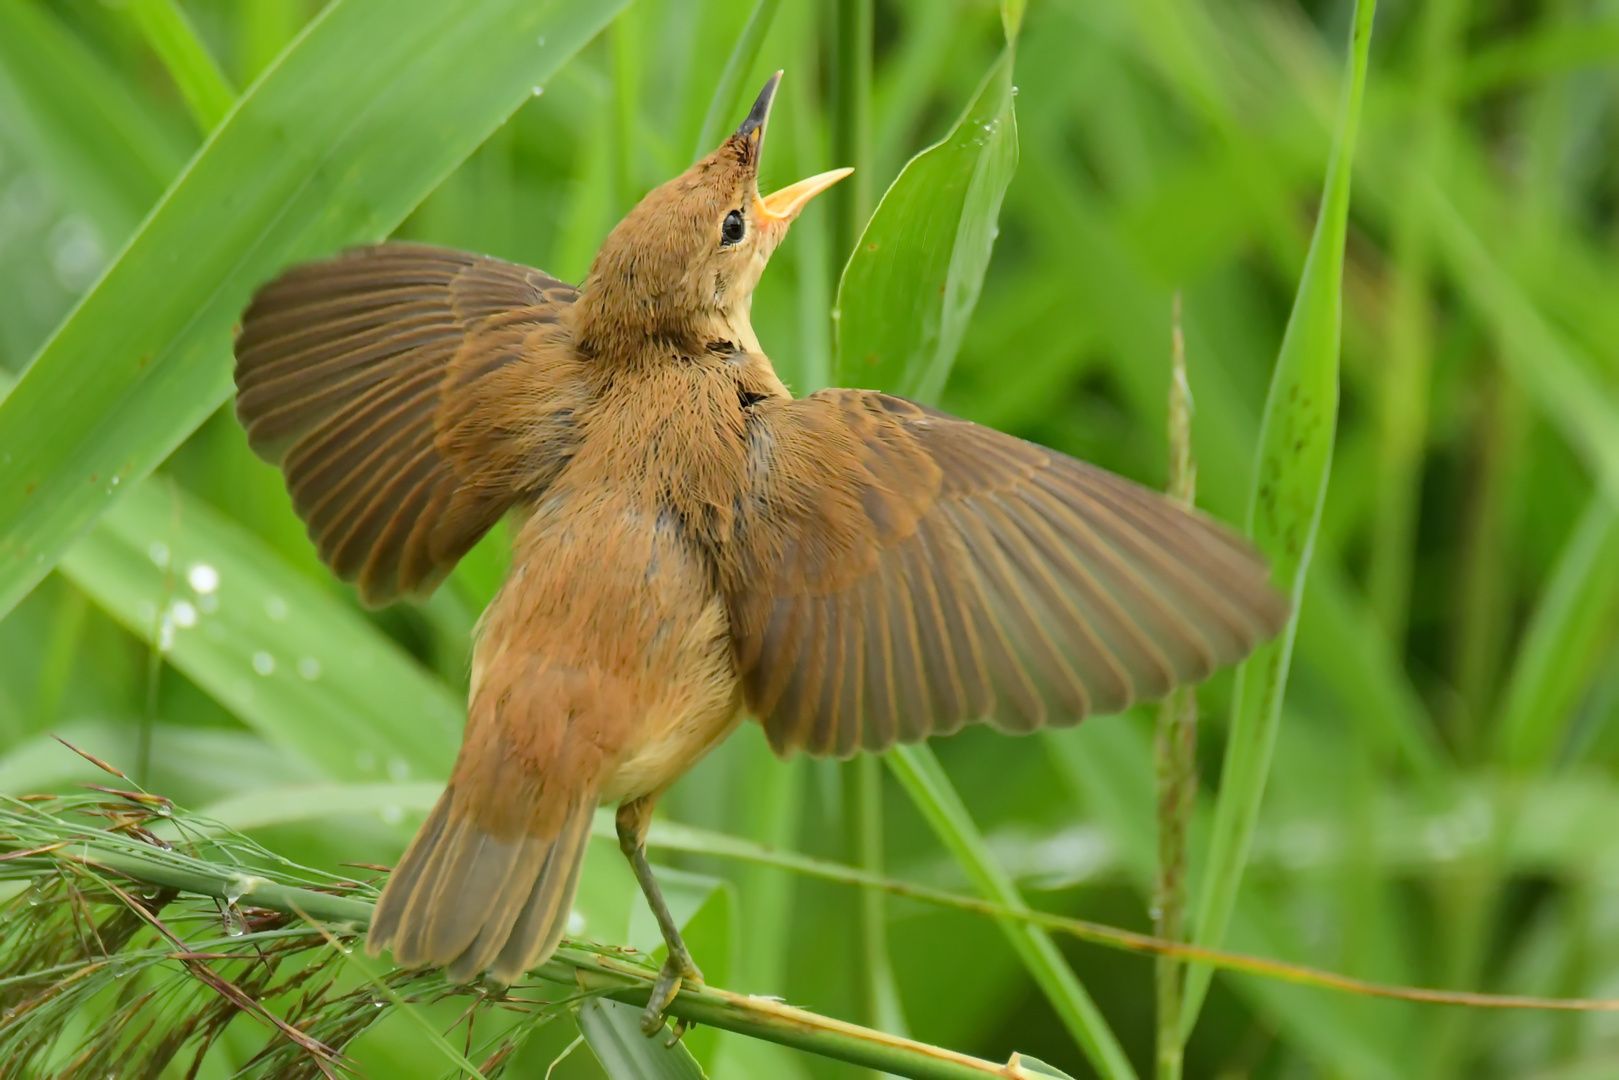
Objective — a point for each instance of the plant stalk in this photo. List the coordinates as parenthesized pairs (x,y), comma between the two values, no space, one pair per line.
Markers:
(1175,752)
(617,976)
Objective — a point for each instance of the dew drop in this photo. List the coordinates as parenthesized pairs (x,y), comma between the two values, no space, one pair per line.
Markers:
(392,815)
(159,554)
(183,614)
(309,668)
(398,769)
(203,578)
(263,663)
(275,607)
(542,41)
(576,924)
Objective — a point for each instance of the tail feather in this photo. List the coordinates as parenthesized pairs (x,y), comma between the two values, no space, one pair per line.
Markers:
(464,899)
(539,928)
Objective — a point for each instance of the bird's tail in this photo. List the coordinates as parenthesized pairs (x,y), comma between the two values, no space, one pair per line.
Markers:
(468,900)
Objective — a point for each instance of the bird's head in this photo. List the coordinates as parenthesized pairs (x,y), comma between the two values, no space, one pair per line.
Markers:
(691,252)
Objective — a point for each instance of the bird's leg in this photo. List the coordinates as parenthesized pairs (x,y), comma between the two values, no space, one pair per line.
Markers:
(633,818)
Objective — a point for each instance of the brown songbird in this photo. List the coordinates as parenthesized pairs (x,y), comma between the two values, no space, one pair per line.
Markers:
(694,544)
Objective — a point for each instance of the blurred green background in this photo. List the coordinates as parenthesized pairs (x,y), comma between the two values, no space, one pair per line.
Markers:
(1443,802)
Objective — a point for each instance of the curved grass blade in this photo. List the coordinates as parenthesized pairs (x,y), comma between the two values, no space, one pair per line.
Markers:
(80,124)
(930,789)
(1290,486)
(726,103)
(295,663)
(170,34)
(375,103)
(1572,626)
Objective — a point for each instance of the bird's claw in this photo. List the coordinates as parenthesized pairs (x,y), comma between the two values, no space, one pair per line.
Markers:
(677,970)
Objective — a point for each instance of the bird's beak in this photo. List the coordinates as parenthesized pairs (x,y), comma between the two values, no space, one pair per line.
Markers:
(780,207)
(753,128)
(785,204)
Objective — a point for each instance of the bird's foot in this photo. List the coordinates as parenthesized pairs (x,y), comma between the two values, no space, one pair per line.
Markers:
(677,970)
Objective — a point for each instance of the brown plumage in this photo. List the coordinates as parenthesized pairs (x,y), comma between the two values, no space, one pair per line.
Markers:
(853,569)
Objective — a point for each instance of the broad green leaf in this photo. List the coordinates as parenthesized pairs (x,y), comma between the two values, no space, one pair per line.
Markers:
(352,127)
(613,1032)
(1290,487)
(297,665)
(913,279)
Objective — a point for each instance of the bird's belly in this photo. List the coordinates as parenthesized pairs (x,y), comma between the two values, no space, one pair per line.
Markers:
(627,607)
(678,734)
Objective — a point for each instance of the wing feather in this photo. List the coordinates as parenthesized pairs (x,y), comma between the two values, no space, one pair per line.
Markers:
(905,573)
(411,395)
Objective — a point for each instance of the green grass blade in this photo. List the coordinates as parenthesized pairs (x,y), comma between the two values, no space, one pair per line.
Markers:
(1559,380)
(726,104)
(373,972)
(174,39)
(1573,625)
(294,663)
(613,1031)
(914,277)
(355,124)
(1295,457)
(930,789)
(1108,766)
(69,112)
(1342,639)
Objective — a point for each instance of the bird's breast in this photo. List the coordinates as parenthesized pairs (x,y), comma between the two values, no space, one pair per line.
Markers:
(671,438)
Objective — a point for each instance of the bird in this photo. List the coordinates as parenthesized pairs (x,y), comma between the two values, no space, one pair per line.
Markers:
(691,544)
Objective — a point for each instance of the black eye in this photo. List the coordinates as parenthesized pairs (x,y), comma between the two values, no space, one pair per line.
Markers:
(731,232)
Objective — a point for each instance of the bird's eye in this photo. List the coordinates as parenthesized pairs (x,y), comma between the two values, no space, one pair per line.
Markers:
(731,232)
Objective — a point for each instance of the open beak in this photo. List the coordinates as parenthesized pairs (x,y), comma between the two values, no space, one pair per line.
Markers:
(784,205)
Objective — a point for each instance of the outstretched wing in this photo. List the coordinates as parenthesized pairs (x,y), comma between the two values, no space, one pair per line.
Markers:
(901,573)
(411,395)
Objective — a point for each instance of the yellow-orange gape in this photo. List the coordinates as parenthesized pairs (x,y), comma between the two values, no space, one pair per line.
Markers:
(695,544)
